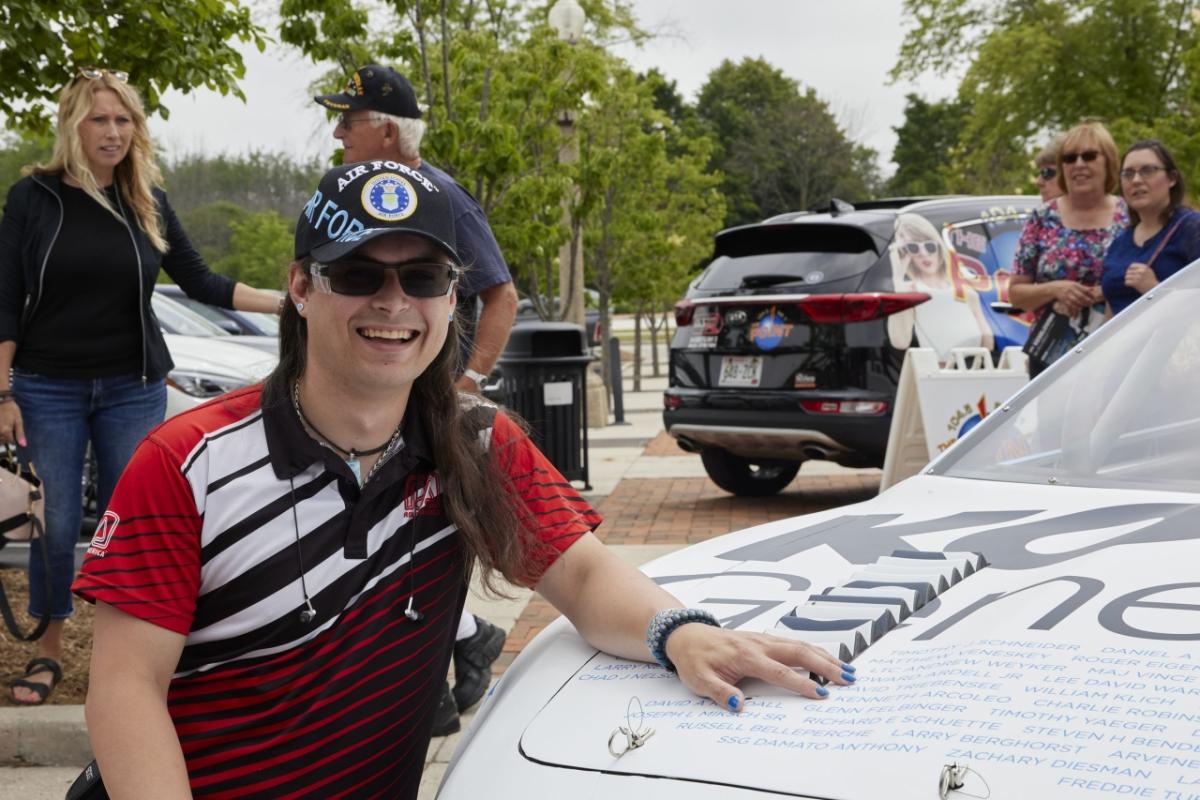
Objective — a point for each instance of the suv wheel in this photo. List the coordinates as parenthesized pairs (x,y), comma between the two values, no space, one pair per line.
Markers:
(748,477)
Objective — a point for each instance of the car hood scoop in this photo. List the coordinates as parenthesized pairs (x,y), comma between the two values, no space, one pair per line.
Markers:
(1070,665)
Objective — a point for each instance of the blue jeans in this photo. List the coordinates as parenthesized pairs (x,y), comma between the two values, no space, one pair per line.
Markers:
(61,416)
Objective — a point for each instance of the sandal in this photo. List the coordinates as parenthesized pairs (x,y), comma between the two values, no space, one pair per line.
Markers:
(42,690)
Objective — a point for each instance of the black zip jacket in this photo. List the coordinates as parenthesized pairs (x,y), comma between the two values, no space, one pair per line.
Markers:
(31,224)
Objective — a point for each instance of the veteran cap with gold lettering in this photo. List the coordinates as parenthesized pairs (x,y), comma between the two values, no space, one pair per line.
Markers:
(355,203)
(375,88)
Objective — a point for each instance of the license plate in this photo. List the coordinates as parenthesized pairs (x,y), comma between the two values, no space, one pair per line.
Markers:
(740,371)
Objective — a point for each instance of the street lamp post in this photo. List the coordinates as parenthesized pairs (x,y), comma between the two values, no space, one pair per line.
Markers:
(567,18)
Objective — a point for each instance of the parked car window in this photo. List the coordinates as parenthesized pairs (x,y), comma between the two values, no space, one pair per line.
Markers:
(267,323)
(1125,417)
(178,319)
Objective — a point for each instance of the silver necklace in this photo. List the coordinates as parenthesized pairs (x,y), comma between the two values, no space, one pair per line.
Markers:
(350,455)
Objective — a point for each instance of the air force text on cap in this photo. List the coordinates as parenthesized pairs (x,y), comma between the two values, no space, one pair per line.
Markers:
(337,221)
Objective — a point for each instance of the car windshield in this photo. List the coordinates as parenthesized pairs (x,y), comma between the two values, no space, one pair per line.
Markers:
(178,319)
(1124,415)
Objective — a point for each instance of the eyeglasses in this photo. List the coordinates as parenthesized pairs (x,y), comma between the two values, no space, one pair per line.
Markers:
(1047,173)
(1145,172)
(912,248)
(346,122)
(96,73)
(1088,156)
(360,277)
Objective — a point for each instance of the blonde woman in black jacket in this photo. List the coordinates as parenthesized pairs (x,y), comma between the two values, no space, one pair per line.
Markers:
(82,359)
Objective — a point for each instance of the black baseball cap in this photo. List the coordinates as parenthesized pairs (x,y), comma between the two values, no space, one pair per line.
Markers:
(375,88)
(355,203)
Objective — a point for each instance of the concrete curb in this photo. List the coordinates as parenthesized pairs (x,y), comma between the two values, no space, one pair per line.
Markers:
(44,736)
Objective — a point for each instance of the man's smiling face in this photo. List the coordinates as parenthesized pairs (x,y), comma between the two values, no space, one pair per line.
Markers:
(378,343)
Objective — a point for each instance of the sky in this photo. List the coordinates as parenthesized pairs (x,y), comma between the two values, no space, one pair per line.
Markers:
(842,48)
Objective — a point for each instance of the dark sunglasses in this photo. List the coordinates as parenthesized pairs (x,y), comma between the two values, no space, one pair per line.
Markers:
(1048,173)
(912,248)
(1087,156)
(362,277)
(96,73)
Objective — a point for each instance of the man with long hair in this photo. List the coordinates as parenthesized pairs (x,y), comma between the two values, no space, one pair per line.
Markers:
(277,599)
(381,119)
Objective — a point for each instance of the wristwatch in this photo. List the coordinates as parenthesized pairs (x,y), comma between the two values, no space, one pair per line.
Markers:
(478,377)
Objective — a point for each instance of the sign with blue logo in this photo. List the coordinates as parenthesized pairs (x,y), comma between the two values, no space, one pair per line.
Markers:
(389,197)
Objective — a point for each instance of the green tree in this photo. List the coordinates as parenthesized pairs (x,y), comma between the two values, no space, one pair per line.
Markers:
(210,227)
(925,143)
(257,181)
(636,170)
(1041,66)
(497,82)
(780,148)
(18,152)
(162,44)
(260,250)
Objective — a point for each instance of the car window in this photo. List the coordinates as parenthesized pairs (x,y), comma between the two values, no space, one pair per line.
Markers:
(799,253)
(1124,416)
(202,309)
(267,323)
(177,319)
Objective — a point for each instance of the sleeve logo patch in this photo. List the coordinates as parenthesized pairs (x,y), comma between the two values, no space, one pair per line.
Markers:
(104,533)
(389,197)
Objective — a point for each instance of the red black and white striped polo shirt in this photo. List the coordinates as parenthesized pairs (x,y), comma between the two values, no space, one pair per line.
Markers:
(205,536)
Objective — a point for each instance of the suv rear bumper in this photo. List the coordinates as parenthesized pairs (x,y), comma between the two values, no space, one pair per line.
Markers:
(792,434)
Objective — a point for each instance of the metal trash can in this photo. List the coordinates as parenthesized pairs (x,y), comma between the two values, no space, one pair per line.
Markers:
(544,368)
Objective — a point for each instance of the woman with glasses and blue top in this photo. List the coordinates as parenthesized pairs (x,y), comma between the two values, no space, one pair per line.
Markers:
(1164,236)
(82,358)
(1060,255)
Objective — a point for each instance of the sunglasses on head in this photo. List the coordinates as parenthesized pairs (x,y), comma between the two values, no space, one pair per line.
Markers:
(96,73)
(912,248)
(1087,156)
(360,277)
(1047,173)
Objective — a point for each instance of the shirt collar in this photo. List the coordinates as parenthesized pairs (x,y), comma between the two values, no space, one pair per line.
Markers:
(292,450)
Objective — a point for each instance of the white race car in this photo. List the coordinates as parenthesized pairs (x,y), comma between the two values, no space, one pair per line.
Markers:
(1024,616)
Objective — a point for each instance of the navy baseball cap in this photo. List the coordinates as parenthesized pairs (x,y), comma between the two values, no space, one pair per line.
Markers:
(375,88)
(355,203)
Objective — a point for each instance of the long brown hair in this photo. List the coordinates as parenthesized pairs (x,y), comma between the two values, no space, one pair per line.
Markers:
(136,176)
(501,536)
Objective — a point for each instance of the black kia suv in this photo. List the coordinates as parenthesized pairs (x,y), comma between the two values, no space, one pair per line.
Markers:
(790,342)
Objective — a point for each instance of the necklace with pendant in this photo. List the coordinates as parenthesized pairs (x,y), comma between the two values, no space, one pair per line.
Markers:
(350,455)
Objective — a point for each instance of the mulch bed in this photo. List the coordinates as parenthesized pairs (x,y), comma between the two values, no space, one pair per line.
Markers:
(14,654)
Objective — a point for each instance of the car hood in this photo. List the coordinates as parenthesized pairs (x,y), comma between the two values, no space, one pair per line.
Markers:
(213,355)
(1069,666)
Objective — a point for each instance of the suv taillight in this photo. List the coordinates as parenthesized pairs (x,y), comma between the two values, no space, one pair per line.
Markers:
(861,408)
(683,313)
(832,309)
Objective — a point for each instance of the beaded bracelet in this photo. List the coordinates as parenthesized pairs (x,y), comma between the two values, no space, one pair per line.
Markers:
(664,624)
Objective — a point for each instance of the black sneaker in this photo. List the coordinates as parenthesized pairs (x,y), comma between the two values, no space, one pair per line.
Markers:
(445,718)
(473,659)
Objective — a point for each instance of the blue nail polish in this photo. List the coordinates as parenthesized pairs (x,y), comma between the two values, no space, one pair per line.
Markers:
(848,668)
(846,676)
(733,702)
(822,691)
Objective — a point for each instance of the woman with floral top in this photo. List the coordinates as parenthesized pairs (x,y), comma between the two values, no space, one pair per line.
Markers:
(1060,257)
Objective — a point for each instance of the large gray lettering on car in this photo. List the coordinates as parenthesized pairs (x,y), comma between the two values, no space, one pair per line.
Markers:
(859,538)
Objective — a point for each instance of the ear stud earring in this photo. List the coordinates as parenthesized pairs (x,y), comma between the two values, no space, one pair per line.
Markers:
(452,316)
(299,306)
